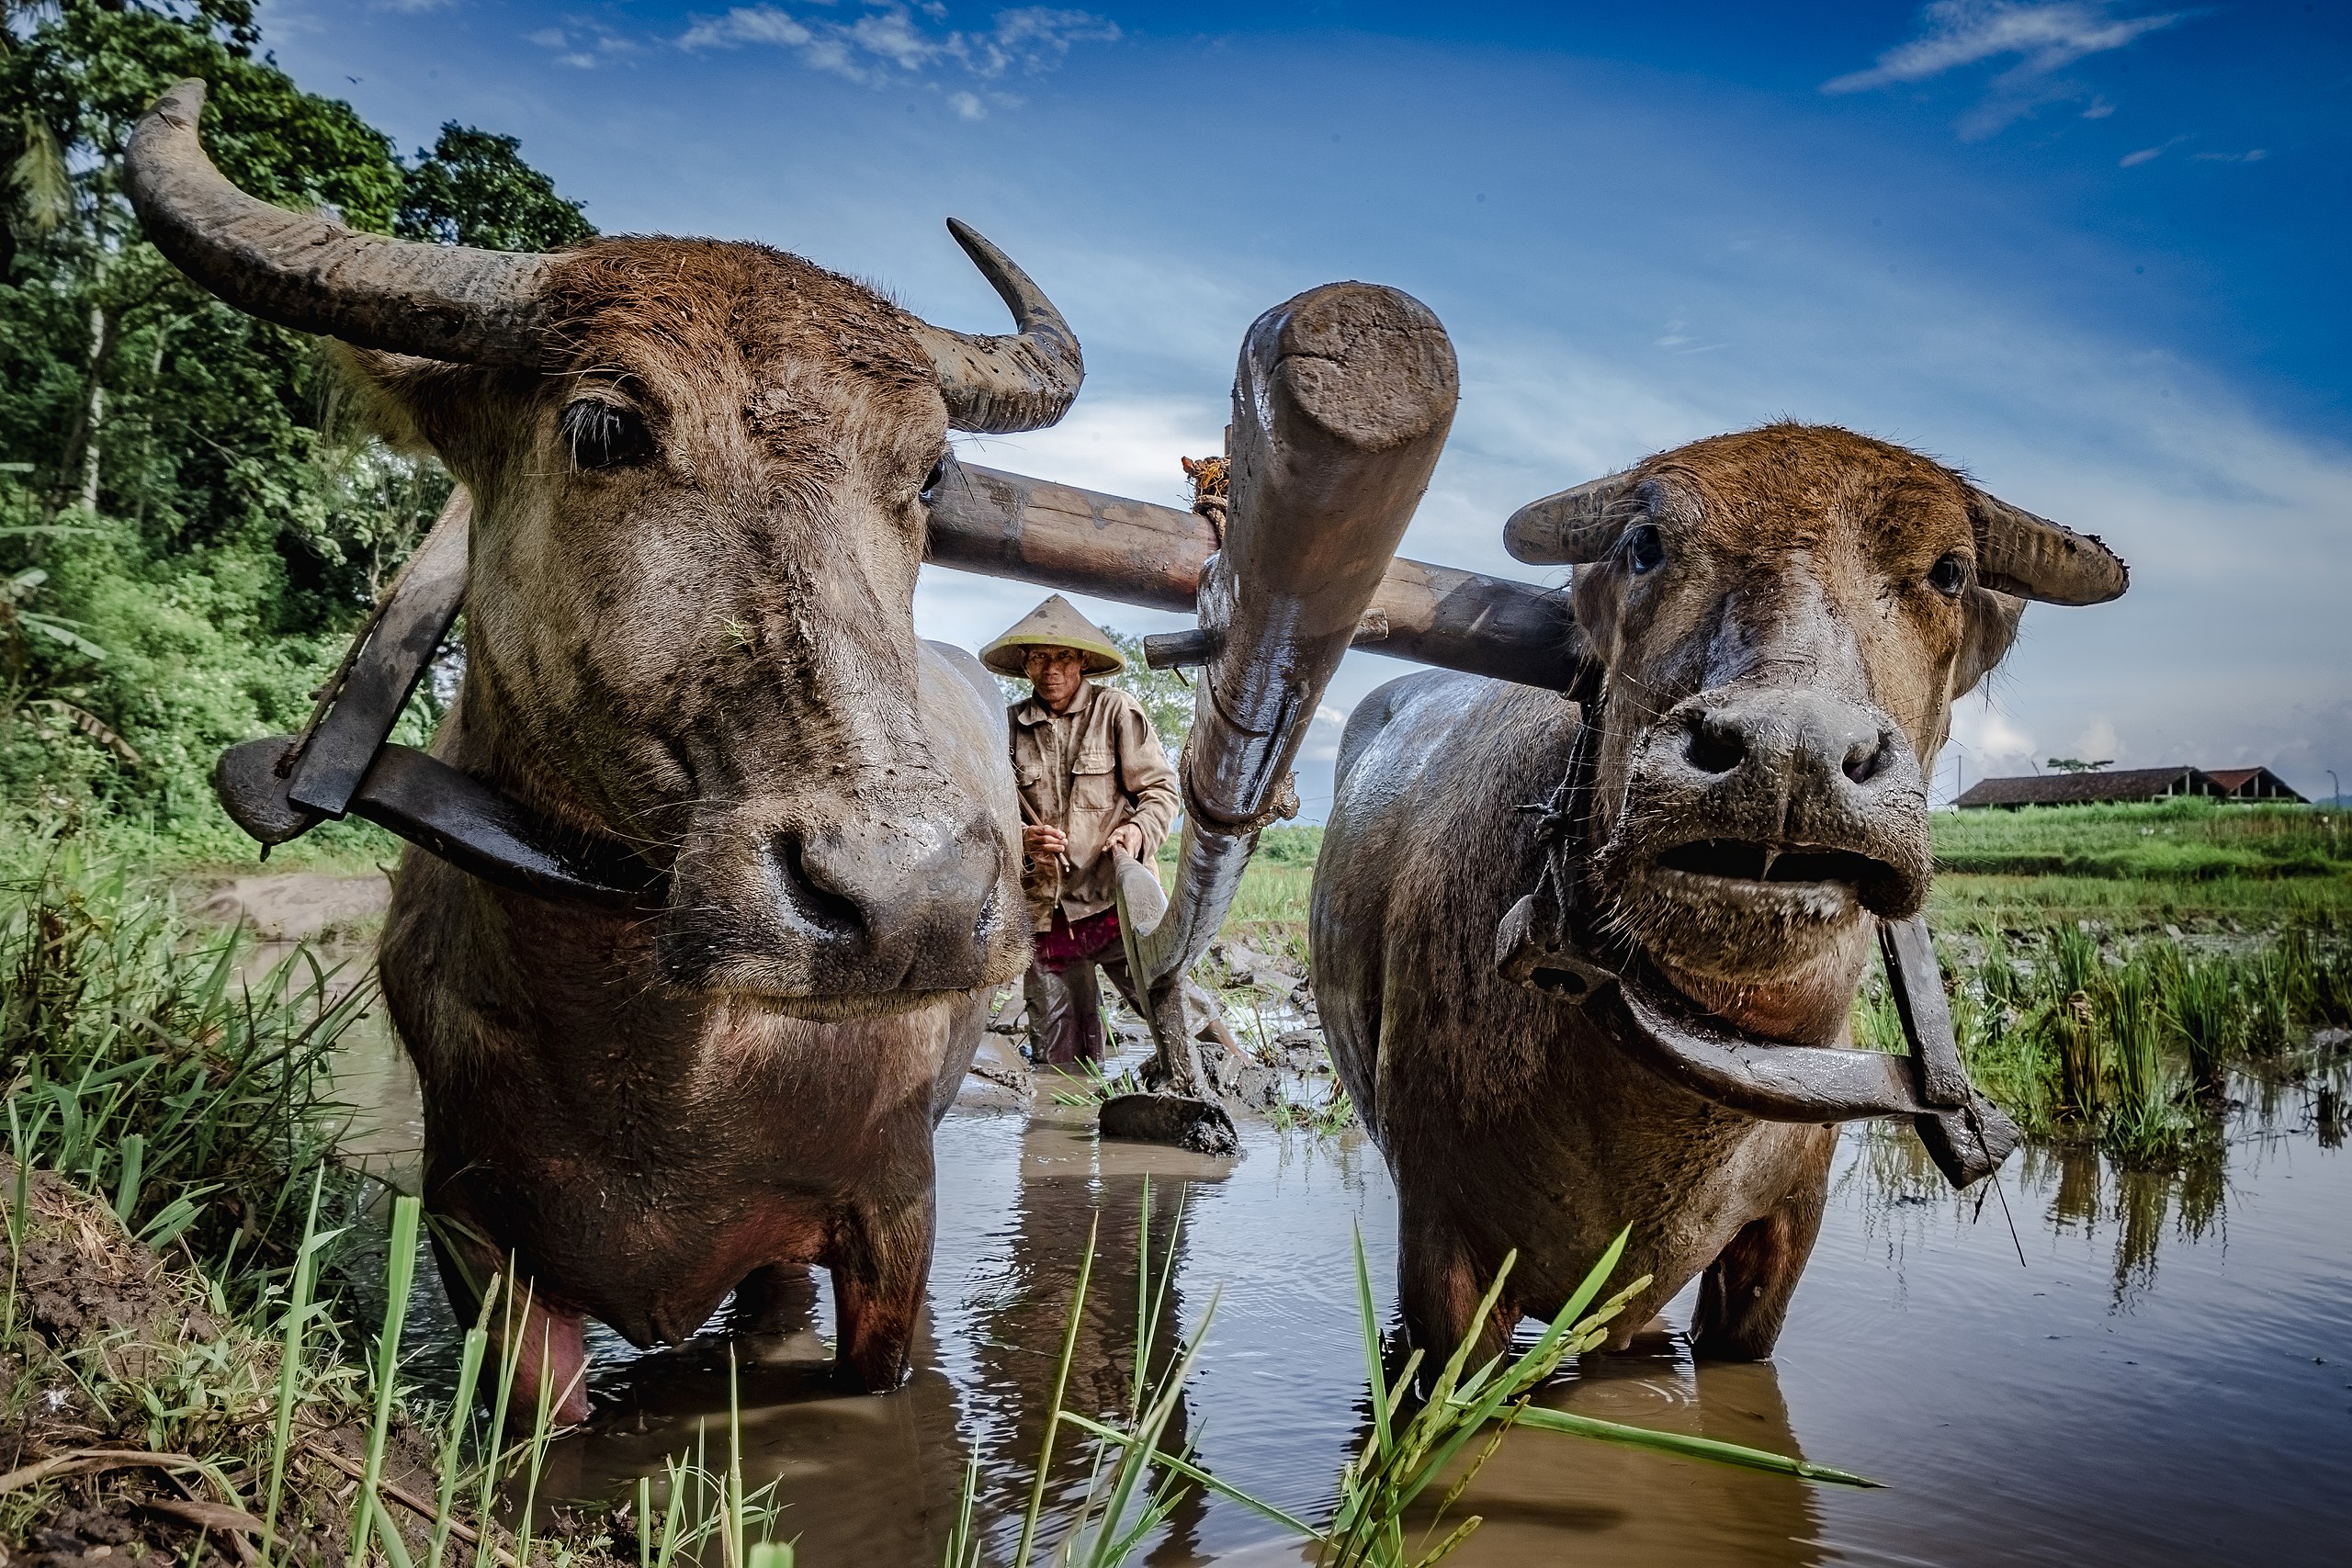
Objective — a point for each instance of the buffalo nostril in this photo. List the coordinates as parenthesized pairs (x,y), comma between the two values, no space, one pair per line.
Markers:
(1864,757)
(821,906)
(1714,746)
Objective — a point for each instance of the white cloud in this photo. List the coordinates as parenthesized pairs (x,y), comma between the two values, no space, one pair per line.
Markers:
(582,45)
(892,41)
(1963,32)
(2148,154)
(2255,155)
(2045,36)
(746,23)
(2100,743)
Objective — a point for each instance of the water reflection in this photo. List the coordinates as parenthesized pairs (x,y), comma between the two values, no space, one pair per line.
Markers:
(1544,1498)
(2148,1368)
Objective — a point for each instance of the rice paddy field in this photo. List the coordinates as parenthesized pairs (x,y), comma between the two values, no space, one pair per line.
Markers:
(223,1340)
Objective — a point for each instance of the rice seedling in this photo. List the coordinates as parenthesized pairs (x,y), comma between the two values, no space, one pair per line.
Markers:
(2202,1003)
(1334,1115)
(1090,1085)
(2146,1124)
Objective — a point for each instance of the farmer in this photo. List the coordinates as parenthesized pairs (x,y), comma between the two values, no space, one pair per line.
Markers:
(1094,782)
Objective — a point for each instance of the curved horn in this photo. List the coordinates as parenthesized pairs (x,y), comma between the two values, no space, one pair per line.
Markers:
(1000,384)
(2033,558)
(1572,528)
(312,273)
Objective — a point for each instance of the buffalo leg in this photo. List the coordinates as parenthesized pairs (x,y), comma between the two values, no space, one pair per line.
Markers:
(880,1264)
(547,1344)
(777,1299)
(1744,1295)
(1438,1286)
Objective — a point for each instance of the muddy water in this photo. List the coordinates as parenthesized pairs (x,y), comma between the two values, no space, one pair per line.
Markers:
(2166,1377)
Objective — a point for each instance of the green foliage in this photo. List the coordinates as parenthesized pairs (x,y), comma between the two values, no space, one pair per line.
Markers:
(473,188)
(189,527)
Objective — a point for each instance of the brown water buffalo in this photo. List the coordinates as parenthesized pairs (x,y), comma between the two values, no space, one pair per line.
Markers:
(1775,626)
(698,472)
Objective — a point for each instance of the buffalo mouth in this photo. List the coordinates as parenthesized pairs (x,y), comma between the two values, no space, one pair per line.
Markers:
(1753,870)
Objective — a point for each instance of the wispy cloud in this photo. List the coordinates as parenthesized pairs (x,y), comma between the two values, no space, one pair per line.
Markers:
(2252,156)
(893,41)
(2148,154)
(582,45)
(2044,36)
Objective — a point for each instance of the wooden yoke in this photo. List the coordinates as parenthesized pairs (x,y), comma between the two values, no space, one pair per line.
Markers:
(1340,409)
(1082,541)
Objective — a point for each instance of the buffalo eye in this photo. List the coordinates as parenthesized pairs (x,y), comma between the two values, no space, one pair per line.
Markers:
(1949,575)
(1645,549)
(932,481)
(605,435)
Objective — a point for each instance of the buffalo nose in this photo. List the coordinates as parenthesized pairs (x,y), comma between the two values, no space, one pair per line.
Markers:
(908,896)
(1790,737)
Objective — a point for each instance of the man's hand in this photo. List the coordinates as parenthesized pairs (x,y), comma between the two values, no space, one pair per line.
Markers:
(1039,842)
(1129,838)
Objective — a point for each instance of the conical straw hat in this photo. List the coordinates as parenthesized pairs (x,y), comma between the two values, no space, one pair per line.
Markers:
(1054,623)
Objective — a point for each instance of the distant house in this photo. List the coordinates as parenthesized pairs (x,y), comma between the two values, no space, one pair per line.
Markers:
(2128,785)
(2252,783)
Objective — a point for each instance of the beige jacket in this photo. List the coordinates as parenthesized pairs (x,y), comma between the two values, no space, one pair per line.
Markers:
(1087,772)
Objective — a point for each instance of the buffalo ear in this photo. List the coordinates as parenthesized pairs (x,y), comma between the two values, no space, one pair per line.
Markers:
(2032,557)
(1574,527)
(1991,627)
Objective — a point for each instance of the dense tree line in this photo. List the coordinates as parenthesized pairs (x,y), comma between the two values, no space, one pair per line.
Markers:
(190,522)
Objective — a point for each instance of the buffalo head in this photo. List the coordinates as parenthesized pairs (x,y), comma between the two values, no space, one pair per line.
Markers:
(1783,619)
(698,471)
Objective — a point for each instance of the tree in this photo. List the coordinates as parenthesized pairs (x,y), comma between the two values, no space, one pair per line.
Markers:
(179,473)
(473,188)
(1166,695)
(2076,765)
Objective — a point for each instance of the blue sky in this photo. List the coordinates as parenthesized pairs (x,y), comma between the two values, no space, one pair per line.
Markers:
(2094,253)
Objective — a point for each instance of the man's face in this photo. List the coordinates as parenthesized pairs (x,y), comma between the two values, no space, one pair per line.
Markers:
(1055,674)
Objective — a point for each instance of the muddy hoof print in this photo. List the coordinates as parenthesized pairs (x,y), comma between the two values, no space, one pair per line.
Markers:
(1174,1119)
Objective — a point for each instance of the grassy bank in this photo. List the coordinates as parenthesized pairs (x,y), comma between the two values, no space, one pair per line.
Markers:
(187,1372)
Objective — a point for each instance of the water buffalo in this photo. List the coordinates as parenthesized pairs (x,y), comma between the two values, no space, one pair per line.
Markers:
(1775,626)
(698,472)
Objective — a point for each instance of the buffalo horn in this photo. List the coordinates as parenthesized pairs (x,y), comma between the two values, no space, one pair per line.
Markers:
(2033,558)
(307,271)
(1572,528)
(999,385)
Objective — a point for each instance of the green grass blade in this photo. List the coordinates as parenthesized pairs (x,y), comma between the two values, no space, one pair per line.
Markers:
(1191,1471)
(1382,1437)
(1707,1448)
(400,1267)
(1054,1407)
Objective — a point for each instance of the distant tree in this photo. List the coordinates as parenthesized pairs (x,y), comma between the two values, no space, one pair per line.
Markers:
(2076,765)
(473,188)
(1166,695)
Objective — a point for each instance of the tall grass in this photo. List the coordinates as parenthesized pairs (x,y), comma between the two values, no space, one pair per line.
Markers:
(144,1063)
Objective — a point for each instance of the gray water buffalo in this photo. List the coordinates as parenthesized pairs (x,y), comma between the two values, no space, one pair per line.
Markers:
(698,471)
(1775,626)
